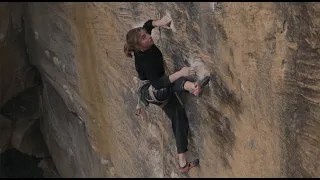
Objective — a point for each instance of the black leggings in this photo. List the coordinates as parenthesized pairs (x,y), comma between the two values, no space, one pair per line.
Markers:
(177,114)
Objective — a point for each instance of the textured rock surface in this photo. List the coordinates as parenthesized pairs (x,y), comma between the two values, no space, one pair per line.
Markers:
(20,136)
(16,74)
(5,133)
(15,164)
(49,169)
(258,118)
(26,138)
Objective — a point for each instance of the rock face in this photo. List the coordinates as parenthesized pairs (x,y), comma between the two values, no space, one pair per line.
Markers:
(26,139)
(15,71)
(15,164)
(5,133)
(259,117)
(21,142)
(49,170)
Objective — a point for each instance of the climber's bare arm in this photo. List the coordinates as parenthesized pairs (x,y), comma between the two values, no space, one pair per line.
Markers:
(165,21)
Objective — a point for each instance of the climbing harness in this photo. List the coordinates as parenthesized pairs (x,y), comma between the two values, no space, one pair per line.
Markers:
(147,94)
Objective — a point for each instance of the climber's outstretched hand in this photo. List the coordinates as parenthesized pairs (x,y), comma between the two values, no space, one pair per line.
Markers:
(165,22)
(187,71)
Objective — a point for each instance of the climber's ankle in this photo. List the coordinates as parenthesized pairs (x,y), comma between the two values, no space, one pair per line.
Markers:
(189,86)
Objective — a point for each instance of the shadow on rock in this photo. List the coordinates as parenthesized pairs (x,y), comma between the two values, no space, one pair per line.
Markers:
(222,134)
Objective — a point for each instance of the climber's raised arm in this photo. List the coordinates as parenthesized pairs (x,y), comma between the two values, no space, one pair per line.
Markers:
(150,24)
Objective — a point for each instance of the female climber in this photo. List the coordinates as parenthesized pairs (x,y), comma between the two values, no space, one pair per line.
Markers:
(149,65)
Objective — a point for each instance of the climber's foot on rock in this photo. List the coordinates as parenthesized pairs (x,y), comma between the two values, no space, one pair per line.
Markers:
(199,85)
(189,165)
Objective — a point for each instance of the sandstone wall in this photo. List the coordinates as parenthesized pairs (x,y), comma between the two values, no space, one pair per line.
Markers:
(258,118)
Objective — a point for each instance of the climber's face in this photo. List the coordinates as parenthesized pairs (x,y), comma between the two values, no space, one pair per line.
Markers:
(145,41)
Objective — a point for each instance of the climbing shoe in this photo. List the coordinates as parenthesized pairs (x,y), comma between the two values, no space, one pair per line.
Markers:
(199,85)
(189,165)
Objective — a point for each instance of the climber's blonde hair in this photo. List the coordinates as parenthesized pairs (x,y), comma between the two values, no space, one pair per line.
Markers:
(132,41)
